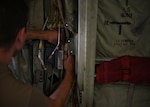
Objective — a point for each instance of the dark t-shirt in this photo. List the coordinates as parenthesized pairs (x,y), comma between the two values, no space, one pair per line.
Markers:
(17,94)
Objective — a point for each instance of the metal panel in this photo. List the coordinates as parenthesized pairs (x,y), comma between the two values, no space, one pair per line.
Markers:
(36,20)
(86,42)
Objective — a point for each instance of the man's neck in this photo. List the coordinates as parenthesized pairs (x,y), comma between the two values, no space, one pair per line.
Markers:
(5,55)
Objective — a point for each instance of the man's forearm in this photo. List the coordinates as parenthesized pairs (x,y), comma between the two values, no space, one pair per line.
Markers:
(36,34)
(48,35)
(58,98)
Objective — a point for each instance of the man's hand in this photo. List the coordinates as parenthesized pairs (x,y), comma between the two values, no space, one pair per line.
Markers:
(69,65)
(52,36)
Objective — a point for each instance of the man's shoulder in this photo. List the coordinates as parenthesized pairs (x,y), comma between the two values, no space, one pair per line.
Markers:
(18,93)
(11,90)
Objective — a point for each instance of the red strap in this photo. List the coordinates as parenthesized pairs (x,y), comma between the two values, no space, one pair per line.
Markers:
(105,72)
(125,61)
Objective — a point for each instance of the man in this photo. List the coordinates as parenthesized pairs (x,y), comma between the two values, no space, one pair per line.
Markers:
(13,20)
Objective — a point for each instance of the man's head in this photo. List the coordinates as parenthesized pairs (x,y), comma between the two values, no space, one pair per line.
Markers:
(13,21)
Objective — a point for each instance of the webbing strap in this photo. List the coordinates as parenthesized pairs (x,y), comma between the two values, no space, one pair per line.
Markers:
(130,95)
(125,61)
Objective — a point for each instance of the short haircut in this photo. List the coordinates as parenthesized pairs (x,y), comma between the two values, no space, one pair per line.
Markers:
(13,17)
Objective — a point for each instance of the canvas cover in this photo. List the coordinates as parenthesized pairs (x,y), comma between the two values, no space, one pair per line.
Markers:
(119,95)
(123,28)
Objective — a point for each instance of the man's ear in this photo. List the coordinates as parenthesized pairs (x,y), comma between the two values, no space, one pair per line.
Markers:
(20,39)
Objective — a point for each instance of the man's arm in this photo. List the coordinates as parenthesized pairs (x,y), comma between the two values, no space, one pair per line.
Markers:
(49,35)
(59,97)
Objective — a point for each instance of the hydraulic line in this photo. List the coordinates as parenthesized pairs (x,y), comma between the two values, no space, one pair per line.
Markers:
(41,47)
